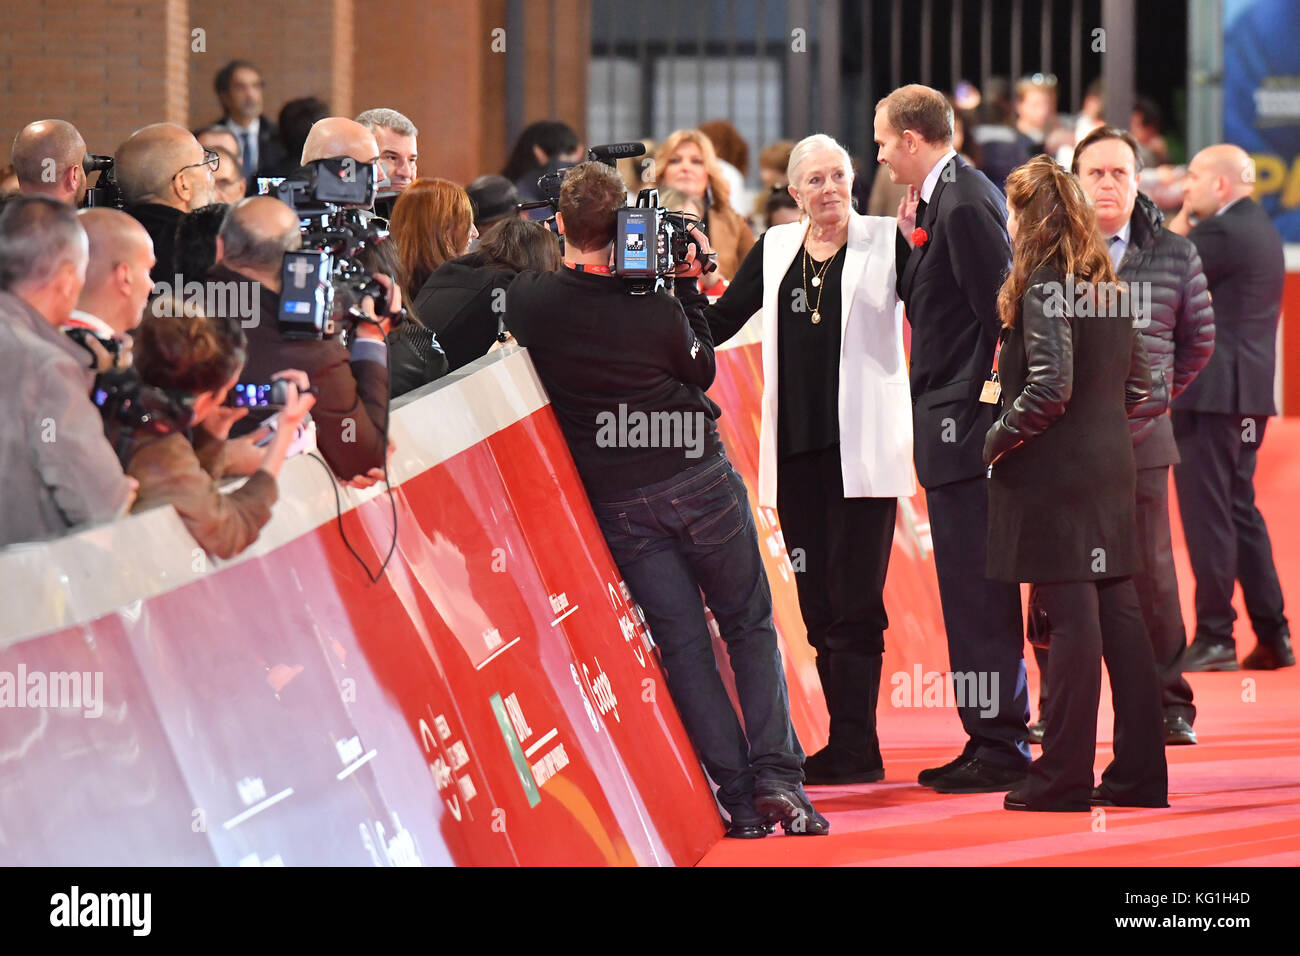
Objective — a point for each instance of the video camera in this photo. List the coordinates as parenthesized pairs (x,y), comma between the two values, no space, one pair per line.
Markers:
(128,406)
(105,192)
(650,241)
(323,283)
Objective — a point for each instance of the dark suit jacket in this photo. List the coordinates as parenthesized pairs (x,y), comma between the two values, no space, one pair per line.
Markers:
(1241,253)
(160,222)
(352,402)
(271,156)
(950,288)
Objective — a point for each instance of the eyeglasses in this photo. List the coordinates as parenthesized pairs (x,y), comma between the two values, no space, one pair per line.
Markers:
(1041,79)
(210,160)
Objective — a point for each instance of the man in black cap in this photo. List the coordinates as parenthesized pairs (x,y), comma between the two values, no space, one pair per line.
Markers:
(494,198)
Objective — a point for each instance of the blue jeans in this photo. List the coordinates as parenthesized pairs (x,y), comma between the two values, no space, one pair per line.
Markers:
(671,540)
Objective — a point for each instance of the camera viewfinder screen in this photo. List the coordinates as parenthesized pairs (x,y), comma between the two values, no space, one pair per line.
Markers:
(636,253)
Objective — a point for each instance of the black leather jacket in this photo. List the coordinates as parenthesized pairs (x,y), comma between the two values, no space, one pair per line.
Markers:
(1049,348)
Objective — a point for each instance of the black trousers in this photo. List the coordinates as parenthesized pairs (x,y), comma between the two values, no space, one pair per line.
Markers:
(1227,540)
(840,550)
(983,622)
(1157,591)
(1091,621)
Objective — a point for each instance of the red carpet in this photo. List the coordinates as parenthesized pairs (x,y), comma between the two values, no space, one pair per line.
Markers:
(1234,797)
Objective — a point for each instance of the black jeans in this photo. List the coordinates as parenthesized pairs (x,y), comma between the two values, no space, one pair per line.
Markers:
(1157,591)
(671,540)
(1227,540)
(1092,620)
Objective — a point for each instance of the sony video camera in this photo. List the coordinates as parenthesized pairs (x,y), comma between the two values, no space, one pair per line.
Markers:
(323,283)
(650,241)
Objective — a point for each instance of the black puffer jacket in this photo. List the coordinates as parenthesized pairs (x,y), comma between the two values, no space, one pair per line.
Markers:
(1179,336)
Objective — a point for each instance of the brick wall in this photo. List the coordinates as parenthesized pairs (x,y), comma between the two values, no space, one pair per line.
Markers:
(112,66)
(107,67)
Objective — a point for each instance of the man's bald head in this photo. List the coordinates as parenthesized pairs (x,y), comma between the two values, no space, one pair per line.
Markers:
(47,159)
(336,136)
(148,162)
(117,276)
(258,231)
(1216,176)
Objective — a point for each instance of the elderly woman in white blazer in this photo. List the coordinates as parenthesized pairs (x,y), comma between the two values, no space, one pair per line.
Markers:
(835,451)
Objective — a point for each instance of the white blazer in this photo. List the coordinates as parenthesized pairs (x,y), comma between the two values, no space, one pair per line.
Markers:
(875,400)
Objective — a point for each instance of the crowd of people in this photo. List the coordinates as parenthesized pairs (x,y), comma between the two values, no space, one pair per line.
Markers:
(1070,349)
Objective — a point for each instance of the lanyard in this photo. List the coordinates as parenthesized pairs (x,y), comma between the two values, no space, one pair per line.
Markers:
(598,269)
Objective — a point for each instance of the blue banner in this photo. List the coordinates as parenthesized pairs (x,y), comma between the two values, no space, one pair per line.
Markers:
(1261,100)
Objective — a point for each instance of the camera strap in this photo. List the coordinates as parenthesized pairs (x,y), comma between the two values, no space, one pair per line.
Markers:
(597,269)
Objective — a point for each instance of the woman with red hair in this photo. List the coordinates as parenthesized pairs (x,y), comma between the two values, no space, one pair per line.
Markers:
(433,221)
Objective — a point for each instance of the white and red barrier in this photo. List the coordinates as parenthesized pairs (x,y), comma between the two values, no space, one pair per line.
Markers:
(492,700)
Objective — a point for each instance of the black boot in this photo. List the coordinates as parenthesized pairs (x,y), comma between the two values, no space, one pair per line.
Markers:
(851,684)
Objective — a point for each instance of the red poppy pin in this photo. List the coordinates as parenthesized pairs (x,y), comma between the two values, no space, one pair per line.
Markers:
(919,237)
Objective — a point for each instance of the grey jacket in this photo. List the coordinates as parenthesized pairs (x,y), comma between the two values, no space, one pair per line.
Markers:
(59,470)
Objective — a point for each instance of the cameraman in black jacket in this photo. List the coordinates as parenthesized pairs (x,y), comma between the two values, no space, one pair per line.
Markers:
(626,375)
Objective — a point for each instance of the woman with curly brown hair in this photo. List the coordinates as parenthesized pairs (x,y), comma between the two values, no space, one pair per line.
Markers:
(1062,491)
(687,162)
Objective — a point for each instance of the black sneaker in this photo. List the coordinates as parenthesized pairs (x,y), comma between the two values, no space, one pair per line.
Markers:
(927,777)
(975,776)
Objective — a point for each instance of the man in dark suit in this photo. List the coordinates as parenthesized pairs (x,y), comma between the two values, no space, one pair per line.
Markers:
(1219,421)
(239,88)
(952,255)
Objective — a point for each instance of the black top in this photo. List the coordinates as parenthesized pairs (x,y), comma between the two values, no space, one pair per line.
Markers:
(1243,259)
(160,222)
(808,353)
(1062,489)
(463,301)
(613,363)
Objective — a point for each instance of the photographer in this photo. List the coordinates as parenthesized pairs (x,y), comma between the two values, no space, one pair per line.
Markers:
(674,513)
(59,470)
(47,158)
(195,361)
(352,405)
(117,287)
(164,173)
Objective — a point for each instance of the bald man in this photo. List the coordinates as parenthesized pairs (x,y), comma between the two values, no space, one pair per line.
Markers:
(337,136)
(351,409)
(1219,421)
(47,159)
(164,173)
(117,285)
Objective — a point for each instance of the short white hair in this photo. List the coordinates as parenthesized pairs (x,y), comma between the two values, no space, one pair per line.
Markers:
(814,144)
(387,119)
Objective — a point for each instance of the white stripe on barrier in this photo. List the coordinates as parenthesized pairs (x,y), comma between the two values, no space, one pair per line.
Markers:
(48,586)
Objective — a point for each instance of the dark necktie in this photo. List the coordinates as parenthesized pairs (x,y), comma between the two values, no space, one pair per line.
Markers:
(247,158)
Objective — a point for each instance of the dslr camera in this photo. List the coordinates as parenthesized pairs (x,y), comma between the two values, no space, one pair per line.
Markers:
(323,283)
(129,406)
(650,241)
(106,191)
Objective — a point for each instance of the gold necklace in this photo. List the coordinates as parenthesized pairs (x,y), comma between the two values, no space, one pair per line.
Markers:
(816,282)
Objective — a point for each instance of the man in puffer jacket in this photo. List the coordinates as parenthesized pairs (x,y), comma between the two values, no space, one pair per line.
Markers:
(1163,273)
